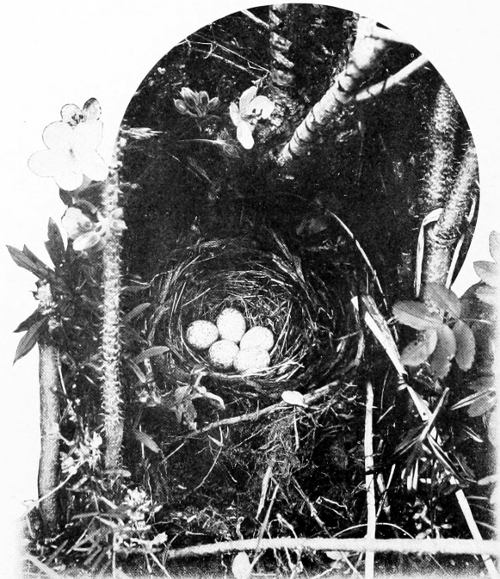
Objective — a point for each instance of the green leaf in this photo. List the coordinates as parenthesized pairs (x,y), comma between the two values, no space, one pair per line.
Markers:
(137,311)
(28,322)
(488,272)
(416,315)
(495,245)
(482,405)
(418,351)
(29,339)
(466,345)
(24,261)
(55,243)
(444,299)
(42,268)
(151,352)
(446,348)
(146,440)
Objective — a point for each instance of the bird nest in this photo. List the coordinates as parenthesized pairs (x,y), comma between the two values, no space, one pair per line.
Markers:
(304,297)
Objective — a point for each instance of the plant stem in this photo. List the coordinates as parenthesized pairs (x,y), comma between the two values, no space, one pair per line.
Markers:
(431,546)
(438,180)
(397,78)
(48,471)
(369,482)
(110,331)
(442,237)
(362,61)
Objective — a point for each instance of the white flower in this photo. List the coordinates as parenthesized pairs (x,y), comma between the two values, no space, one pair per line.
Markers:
(251,109)
(86,233)
(71,148)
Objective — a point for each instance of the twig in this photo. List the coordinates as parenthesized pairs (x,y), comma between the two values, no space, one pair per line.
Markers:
(430,546)
(251,416)
(255,19)
(371,514)
(397,78)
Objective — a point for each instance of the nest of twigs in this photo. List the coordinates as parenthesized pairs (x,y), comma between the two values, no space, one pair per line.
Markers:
(303,296)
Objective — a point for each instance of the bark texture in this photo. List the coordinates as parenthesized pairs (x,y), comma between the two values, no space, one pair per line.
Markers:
(112,402)
(48,471)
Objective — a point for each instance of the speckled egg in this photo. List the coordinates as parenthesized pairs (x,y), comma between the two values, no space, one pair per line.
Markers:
(257,337)
(222,354)
(201,334)
(252,360)
(231,325)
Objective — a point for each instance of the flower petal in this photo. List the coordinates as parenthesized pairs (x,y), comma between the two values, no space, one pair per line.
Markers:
(50,162)
(75,222)
(87,134)
(92,109)
(180,105)
(262,106)
(69,180)
(234,113)
(203,98)
(58,135)
(71,114)
(244,135)
(246,98)
(190,96)
(91,164)
(86,241)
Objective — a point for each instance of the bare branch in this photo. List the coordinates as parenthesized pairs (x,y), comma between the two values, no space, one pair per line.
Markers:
(362,61)
(396,79)
(431,546)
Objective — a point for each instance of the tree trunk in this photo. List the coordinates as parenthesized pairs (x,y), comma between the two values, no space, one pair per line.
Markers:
(48,471)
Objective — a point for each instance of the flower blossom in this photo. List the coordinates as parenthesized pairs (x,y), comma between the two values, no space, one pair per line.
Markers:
(86,233)
(251,109)
(71,147)
(195,104)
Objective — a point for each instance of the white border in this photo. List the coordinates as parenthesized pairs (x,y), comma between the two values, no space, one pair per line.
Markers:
(55,52)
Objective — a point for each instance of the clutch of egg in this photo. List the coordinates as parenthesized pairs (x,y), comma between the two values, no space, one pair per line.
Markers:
(222,339)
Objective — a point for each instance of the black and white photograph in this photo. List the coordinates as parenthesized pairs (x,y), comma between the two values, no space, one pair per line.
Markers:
(250,261)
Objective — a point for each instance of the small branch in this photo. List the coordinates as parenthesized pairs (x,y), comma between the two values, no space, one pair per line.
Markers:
(385,85)
(257,20)
(430,546)
(362,61)
(251,416)
(371,512)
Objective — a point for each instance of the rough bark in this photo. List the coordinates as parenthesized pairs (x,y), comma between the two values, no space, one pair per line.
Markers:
(443,236)
(438,179)
(48,471)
